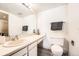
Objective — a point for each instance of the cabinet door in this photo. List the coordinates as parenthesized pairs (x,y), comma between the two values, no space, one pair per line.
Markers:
(22,52)
(33,52)
(30,47)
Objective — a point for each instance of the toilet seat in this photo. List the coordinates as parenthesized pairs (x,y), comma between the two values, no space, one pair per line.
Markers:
(56,50)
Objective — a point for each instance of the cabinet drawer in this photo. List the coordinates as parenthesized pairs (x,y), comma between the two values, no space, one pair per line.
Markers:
(21,52)
(32,46)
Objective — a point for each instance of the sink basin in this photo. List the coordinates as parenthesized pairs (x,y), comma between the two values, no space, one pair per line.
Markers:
(13,43)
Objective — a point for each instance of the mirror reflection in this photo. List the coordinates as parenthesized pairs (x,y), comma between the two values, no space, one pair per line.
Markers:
(17,18)
(3,24)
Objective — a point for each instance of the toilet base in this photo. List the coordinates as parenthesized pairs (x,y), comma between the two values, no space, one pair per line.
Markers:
(44,52)
(65,54)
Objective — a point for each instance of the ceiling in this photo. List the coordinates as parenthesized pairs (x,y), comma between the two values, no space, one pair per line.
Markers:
(22,11)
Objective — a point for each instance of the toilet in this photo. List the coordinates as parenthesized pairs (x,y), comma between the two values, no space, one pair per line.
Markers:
(56,50)
(57,46)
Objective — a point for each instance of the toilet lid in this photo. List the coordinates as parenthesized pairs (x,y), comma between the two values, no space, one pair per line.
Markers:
(57,50)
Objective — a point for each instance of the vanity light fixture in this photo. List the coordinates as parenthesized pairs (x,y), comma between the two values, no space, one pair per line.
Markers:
(26,5)
(29,6)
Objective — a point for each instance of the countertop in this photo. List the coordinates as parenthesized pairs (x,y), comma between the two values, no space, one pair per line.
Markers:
(28,40)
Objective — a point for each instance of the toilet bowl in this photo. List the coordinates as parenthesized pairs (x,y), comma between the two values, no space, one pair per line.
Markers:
(56,50)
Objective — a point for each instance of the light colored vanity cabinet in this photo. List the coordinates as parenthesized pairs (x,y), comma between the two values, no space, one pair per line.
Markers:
(22,52)
(32,49)
(33,52)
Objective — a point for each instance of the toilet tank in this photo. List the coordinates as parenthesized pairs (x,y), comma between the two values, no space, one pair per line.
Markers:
(57,40)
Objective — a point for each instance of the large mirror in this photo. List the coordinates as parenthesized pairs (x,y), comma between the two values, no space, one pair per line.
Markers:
(17,18)
(3,24)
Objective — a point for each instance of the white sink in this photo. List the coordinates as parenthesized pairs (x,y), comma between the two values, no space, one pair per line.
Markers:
(13,43)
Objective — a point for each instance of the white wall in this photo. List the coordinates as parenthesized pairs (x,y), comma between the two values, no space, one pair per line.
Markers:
(14,24)
(31,22)
(73,28)
(52,15)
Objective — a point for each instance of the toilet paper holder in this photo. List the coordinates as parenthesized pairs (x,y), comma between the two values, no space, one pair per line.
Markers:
(72,42)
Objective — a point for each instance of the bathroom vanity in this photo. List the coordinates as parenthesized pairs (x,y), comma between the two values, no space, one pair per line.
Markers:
(24,46)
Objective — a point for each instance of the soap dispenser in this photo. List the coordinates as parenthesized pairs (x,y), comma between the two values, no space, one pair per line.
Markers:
(33,30)
(38,33)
